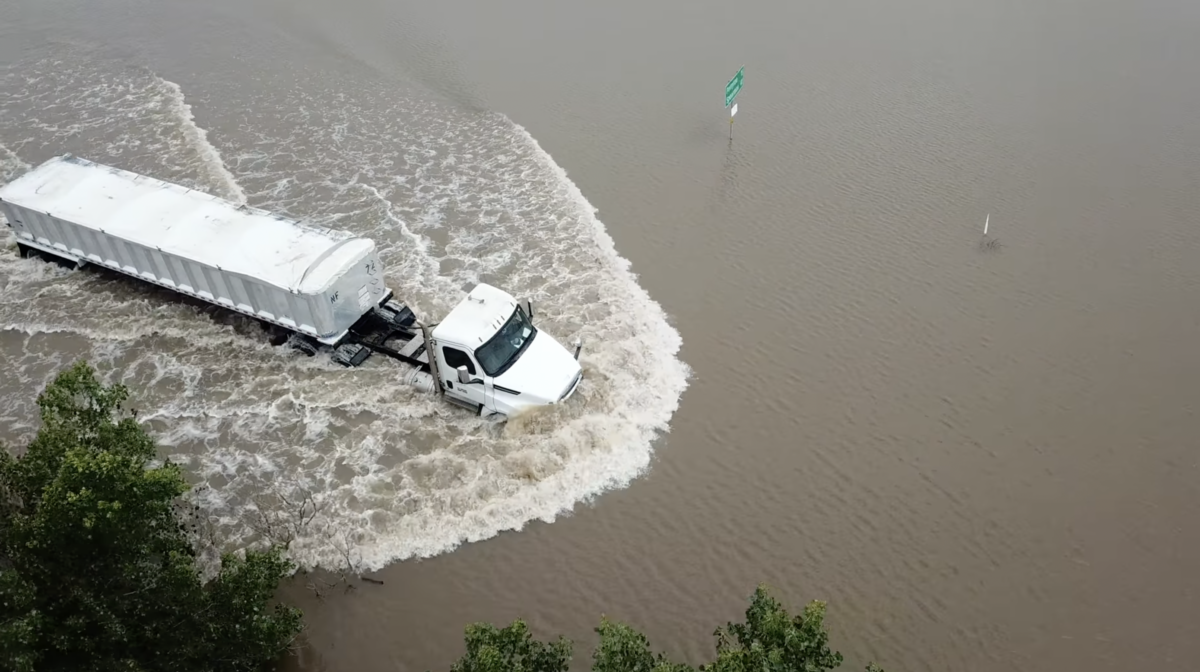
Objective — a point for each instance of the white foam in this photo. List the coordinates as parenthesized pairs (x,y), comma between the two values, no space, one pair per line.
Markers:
(198,138)
(11,165)
(126,115)
(451,198)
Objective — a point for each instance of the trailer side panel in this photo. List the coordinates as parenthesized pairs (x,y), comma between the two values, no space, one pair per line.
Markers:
(303,278)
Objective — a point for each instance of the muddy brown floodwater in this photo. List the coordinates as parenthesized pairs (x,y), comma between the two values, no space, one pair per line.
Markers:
(803,366)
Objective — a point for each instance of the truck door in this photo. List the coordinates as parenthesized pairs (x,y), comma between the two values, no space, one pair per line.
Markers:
(474,393)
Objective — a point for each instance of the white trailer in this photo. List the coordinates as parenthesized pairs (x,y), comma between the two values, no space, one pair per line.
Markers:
(324,287)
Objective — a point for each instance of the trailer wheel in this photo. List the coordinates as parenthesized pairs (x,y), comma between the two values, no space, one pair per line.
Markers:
(306,346)
(277,336)
(23,250)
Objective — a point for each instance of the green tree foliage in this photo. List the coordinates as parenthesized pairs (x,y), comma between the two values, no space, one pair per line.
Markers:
(623,649)
(769,640)
(97,570)
(511,649)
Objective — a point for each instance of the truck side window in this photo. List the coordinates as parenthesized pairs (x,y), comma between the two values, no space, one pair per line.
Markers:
(456,358)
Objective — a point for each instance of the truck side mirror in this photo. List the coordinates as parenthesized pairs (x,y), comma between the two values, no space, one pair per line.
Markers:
(463,376)
(529,309)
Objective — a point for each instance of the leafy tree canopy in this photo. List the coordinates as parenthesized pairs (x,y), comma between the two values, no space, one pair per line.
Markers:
(97,568)
(769,640)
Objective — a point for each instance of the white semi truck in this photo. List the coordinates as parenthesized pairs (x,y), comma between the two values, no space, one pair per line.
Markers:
(324,289)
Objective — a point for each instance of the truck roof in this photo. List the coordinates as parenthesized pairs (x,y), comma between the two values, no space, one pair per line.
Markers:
(192,224)
(477,317)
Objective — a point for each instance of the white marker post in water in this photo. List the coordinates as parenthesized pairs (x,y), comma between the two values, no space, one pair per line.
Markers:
(731,91)
(986,243)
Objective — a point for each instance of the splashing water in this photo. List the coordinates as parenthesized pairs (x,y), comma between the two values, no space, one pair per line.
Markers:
(452,198)
(11,165)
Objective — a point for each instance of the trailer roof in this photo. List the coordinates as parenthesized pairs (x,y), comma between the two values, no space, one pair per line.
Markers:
(187,223)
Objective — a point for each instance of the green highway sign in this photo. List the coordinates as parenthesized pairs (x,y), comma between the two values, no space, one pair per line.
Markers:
(732,88)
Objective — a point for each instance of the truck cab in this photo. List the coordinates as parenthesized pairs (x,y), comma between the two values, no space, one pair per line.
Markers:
(491,358)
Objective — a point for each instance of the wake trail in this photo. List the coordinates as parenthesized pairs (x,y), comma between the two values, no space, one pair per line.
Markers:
(197,137)
(452,199)
(11,165)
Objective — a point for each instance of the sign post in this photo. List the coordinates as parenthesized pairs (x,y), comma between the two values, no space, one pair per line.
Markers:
(731,91)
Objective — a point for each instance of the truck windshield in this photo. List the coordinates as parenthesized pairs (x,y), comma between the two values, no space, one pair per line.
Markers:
(506,346)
